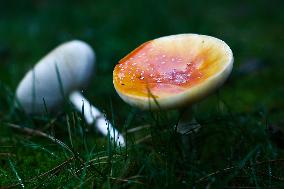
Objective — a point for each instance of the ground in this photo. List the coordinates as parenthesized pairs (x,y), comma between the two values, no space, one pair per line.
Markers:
(240,143)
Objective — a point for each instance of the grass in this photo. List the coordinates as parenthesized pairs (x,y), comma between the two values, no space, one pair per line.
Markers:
(233,149)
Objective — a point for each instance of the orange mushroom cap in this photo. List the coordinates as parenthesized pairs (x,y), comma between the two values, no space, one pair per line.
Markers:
(172,71)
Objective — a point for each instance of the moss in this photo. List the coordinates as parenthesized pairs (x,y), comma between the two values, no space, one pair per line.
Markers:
(232,149)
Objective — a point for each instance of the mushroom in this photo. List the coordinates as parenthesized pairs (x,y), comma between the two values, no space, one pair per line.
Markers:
(173,71)
(63,73)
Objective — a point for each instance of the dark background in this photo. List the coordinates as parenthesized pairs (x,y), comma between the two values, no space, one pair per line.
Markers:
(253,94)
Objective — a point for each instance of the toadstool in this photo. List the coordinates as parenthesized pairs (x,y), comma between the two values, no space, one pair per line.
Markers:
(173,71)
(63,73)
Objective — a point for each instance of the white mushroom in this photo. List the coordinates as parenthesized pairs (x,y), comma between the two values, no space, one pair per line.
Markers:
(63,73)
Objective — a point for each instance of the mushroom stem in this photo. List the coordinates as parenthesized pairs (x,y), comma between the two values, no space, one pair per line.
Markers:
(186,126)
(92,114)
(187,123)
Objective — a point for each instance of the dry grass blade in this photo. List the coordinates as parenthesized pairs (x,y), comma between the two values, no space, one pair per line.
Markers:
(127,180)
(138,128)
(7,155)
(269,161)
(233,167)
(90,164)
(55,169)
(39,133)
(143,139)
(104,157)
(96,161)
(215,173)
(272,176)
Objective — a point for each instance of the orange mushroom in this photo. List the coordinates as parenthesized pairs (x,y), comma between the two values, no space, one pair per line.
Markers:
(173,71)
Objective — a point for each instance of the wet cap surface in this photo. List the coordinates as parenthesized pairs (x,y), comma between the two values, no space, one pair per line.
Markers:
(170,65)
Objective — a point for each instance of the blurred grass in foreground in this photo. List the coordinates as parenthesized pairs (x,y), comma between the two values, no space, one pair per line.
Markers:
(233,149)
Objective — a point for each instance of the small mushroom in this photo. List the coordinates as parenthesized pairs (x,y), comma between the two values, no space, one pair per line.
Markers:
(173,71)
(63,73)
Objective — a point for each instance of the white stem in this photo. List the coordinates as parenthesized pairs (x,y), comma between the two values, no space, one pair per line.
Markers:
(187,122)
(92,114)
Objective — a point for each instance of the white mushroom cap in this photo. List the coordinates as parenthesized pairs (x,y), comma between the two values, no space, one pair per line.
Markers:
(67,68)
(62,73)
